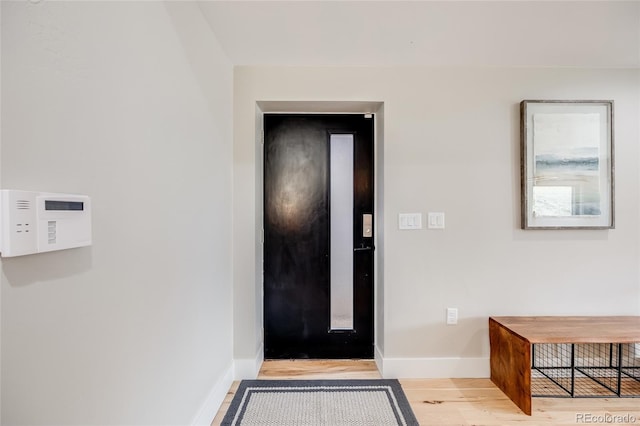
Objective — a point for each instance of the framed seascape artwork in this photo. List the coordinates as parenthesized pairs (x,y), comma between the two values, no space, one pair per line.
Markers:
(566,164)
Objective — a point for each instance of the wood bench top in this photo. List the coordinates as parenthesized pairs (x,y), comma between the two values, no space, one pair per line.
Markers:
(574,329)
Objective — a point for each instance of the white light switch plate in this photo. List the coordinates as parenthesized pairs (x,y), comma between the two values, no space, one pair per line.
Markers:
(410,221)
(436,220)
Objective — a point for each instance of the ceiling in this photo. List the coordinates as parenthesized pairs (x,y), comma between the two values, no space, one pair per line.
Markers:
(429,33)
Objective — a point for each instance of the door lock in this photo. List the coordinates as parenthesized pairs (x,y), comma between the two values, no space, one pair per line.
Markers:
(367,225)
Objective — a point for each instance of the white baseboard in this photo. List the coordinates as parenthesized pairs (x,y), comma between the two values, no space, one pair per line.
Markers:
(433,368)
(214,399)
(242,368)
(248,368)
(379,359)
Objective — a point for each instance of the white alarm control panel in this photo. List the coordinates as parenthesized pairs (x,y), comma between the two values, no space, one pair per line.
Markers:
(36,222)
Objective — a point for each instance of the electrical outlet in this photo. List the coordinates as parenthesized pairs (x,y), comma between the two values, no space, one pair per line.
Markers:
(452,316)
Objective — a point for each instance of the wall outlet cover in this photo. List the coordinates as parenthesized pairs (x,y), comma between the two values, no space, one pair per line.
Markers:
(452,316)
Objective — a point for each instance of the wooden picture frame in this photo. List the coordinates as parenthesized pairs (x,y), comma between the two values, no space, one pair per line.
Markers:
(567,164)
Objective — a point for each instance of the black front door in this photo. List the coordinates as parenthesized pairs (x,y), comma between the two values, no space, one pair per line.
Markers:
(318,236)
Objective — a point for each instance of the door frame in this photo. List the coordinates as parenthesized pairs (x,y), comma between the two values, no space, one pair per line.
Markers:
(327,107)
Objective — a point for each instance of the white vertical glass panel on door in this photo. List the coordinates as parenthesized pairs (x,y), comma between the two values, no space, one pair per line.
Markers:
(341,177)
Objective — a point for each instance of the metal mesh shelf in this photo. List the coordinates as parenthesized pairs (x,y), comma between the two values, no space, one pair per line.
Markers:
(585,370)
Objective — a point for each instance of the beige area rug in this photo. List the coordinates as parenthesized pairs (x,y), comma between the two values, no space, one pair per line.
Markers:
(319,403)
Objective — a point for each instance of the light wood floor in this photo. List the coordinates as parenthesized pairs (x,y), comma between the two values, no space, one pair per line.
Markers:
(453,401)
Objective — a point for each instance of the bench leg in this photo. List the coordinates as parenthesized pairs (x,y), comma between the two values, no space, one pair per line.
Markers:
(511,365)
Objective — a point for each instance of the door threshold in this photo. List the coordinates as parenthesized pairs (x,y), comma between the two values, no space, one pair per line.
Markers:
(319,369)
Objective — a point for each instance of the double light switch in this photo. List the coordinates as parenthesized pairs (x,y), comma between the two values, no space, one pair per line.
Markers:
(410,220)
(435,220)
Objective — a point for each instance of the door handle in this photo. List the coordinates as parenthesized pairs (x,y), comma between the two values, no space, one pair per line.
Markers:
(362,248)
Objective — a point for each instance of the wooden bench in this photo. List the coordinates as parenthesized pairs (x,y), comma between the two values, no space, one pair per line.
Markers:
(513,338)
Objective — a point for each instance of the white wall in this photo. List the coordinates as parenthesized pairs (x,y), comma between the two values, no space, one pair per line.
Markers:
(130,103)
(451,144)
